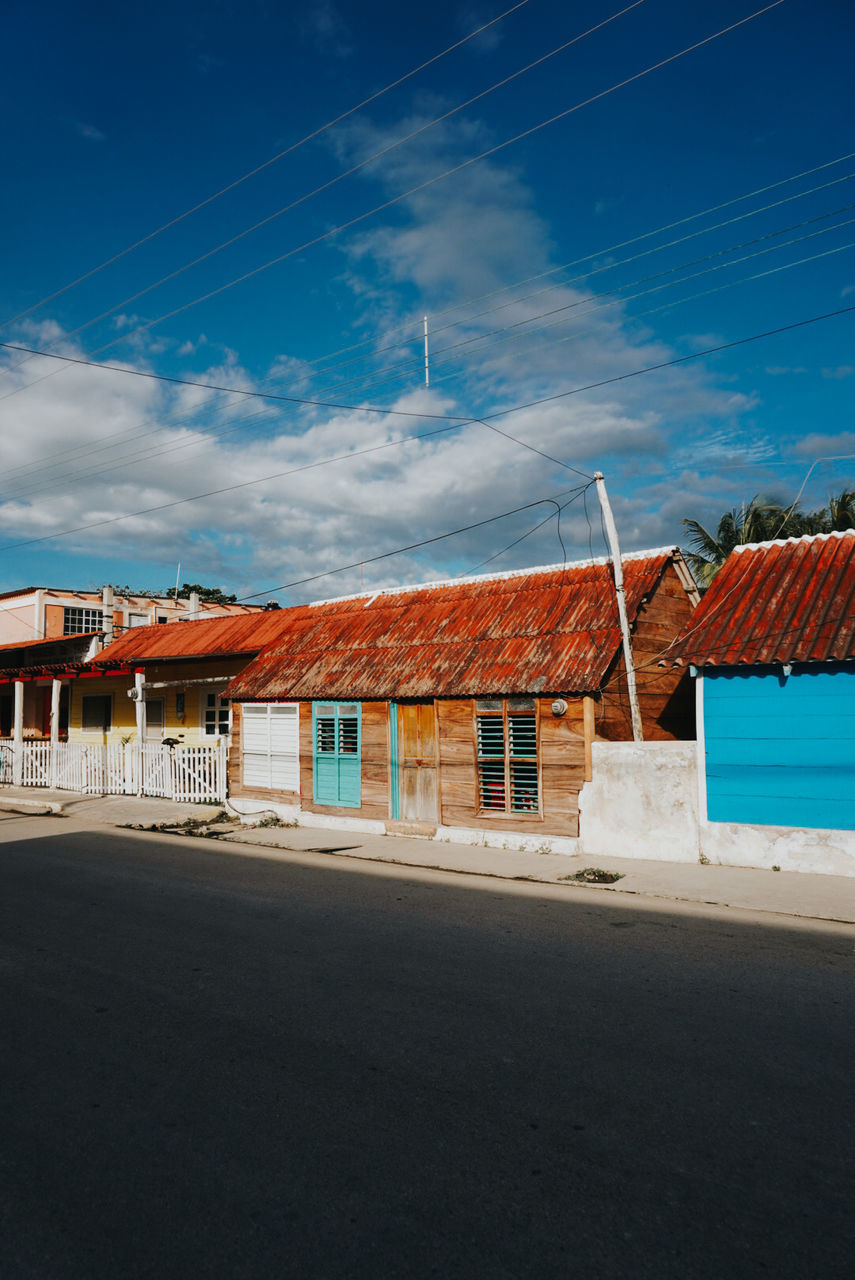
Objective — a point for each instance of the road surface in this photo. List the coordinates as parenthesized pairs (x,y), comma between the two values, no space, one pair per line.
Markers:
(218,1065)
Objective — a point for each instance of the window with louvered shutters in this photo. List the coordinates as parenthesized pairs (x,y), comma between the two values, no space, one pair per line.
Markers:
(270,745)
(337,755)
(506,743)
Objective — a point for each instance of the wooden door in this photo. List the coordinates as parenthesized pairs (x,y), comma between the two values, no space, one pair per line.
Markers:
(417,767)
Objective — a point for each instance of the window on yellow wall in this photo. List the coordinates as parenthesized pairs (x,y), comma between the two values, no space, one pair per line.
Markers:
(217,716)
(97,713)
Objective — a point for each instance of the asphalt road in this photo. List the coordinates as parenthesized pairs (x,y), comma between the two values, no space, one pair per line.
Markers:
(216,1065)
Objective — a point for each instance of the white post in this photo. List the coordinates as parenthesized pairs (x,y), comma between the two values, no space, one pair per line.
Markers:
(39,616)
(18,736)
(611,532)
(427,357)
(139,694)
(194,604)
(55,694)
(107,606)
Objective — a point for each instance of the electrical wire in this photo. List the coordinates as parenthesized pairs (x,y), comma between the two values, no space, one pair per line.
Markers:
(394,200)
(134,432)
(310,137)
(65,480)
(326,186)
(385,555)
(454,423)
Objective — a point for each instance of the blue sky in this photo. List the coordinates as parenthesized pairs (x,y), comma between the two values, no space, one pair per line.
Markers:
(117,122)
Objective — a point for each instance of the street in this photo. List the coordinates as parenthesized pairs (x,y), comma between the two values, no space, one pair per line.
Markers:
(231,1066)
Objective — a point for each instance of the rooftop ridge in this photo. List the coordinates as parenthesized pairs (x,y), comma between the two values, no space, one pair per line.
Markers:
(370,596)
(805,537)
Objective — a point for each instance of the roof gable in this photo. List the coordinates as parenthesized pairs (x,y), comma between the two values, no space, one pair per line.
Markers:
(791,600)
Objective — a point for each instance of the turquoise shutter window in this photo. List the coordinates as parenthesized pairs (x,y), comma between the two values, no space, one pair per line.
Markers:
(337,753)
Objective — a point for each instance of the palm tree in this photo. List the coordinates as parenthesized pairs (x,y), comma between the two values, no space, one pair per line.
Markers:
(841,511)
(760,520)
(754,521)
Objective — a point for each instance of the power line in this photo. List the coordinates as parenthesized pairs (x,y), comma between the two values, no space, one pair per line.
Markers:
(394,200)
(517,327)
(316,133)
(580,493)
(586,275)
(749,195)
(455,423)
(88,450)
(515,332)
(413,546)
(326,186)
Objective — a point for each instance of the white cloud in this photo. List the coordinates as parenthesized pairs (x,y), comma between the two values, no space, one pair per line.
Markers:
(89,131)
(97,445)
(325,28)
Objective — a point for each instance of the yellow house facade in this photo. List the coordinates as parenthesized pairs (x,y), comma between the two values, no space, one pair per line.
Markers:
(166,683)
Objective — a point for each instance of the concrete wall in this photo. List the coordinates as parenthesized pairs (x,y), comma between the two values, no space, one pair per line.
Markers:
(643,803)
(788,848)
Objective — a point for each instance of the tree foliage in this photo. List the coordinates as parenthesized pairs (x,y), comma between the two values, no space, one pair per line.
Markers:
(761,520)
(207,595)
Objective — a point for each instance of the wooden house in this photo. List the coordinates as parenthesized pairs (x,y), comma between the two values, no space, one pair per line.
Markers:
(458,706)
(772,646)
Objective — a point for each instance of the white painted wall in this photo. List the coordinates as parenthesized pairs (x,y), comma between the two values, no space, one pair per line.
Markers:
(642,802)
(789,848)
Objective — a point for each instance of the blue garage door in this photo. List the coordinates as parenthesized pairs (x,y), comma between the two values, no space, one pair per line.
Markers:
(780,750)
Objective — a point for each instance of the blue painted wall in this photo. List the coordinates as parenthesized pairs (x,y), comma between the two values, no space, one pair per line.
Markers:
(780,750)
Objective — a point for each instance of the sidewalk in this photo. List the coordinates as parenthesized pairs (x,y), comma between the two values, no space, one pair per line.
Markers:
(786,893)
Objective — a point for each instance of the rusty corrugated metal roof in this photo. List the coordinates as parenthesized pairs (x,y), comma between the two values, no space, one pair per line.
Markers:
(207,637)
(34,644)
(552,630)
(786,601)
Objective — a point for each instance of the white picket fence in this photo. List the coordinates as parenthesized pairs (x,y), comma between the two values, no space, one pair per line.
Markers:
(121,769)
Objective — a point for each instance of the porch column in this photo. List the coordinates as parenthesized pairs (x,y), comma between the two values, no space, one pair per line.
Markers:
(18,736)
(139,694)
(55,691)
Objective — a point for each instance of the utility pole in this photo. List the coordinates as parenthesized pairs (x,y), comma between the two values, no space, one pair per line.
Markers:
(427,356)
(611,533)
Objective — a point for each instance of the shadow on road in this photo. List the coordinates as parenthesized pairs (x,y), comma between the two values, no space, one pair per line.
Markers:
(239,1066)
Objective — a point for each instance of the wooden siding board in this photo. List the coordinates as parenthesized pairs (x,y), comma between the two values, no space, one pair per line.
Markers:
(774,753)
(562,771)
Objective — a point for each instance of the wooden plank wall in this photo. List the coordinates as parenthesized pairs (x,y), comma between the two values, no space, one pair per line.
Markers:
(375,766)
(236,786)
(375,763)
(665,694)
(562,771)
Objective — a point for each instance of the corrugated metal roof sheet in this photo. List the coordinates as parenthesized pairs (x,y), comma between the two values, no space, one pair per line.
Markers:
(536,631)
(34,644)
(207,637)
(786,601)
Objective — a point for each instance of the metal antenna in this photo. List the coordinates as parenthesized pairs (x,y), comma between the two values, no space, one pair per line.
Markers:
(427,356)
